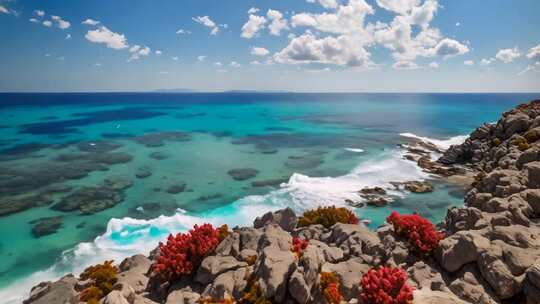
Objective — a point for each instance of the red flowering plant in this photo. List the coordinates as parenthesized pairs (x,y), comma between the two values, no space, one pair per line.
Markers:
(298,246)
(419,231)
(386,285)
(183,253)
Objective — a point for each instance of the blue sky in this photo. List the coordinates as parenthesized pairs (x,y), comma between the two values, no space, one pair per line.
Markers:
(298,45)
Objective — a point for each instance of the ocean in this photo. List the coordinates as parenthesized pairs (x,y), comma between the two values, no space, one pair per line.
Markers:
(86,177)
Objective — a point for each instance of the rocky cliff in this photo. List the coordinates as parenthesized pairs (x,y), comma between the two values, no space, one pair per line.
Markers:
(490,252)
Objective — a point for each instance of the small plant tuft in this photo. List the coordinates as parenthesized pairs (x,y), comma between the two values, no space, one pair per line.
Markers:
(330,287)
(298,246)
(103,277)
(327,216)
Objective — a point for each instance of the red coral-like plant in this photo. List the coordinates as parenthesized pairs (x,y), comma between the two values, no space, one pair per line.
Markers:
(419,231)
(298,246)
(183,253)
(386,285)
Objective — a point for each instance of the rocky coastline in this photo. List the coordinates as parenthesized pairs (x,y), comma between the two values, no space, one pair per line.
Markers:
(490,252)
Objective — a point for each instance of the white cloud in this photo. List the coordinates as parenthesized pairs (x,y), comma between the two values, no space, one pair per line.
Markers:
(534,53)
(217,63)
(62,24)
(259,51)
(183,32)
(39,13)
(347,19)
(253,26)
(405,65)
(253,10)
(137,52)
(206,21)
(458,23)
(159,52)
(398,6)
(110,39)
(90,22)
(235,64)
(33,20)
(507,55)
(175,58)
(486,62)
(68,36)
(277,23)
(450,48)
(325,3)
(47,55)
(307,48)
(47,23)
(422,15)
(97,64)
(468,62)
(201,58)
(434,65)
(3,10)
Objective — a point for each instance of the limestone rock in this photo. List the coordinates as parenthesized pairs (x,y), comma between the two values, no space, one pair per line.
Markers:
(461,248)
(285,218)
(213,266)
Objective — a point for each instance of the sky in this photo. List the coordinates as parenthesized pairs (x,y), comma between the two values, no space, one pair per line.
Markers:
(290,45)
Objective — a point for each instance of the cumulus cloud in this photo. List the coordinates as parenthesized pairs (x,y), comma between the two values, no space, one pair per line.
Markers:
(61,23)
(468,62)
(507,55)
(90,22)
(449,48)
(206,21)
(138,51)
(235,64)
(259,51)
(33,20)
(105,36)
(47,23)
(201,58)
(254,24)
(307,48)
(434,65)
(68,36)
(40,13)
(325,3)
(159,52)
(398,6)
(534,53)
(175,58)
(277,23)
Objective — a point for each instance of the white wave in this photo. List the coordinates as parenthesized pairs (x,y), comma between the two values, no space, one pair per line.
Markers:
(355,150)
(128,236)
(443,144)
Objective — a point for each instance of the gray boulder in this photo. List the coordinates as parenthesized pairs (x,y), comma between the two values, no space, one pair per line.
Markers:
(461,248)
(285,218)
(213,266)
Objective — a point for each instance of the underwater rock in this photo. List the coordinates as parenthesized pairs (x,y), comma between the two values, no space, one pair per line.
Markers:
(159,155)
(418,186)
(89,200)
(118,183)
(143,172)
(303,162)
(46,225)
(13,204)
(275,182)
(176,188)
(241,174)
(22,149)
(157,139)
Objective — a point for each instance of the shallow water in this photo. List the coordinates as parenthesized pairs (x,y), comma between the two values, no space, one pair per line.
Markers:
(311,150)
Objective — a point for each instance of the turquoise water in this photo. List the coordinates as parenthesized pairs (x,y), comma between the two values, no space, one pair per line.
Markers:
(319,149)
